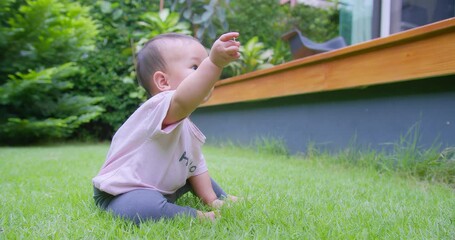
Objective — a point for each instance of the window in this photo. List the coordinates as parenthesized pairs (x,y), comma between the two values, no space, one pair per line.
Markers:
(362,20)
(408,14)
(359,20)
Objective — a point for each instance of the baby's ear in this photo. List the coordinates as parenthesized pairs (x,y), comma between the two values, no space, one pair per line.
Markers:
(160,81)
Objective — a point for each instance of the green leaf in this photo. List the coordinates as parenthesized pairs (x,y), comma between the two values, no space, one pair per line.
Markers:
(162,22)
(221,14)
(187,13)
(206,16)
(197,19)
(105,7)
(117,14)
(164,14)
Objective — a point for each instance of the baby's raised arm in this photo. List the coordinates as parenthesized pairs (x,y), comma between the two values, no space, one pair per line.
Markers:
(197,86)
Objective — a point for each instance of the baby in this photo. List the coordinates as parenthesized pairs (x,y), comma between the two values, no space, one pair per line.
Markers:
(155,156)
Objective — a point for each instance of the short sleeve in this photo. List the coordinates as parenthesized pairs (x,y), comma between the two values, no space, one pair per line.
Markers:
(156,109)
(201,167)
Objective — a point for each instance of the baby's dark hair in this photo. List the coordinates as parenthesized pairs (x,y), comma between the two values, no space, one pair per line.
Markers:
(150,58)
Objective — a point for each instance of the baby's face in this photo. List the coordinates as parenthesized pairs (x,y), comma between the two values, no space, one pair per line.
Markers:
(182,59)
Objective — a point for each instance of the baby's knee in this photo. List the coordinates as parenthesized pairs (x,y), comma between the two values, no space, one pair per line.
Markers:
(138,205)
(143,205)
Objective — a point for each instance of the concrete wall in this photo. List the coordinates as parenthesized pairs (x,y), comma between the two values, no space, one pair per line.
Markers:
(375,116)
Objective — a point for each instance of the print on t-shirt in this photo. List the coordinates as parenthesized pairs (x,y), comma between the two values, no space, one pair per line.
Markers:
(188,162)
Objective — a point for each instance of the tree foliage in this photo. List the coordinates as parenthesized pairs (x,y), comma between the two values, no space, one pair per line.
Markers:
(317,24)
(268,20)
(38,106)
(155,23)
(254,56)
(265,21)
(38,41)
(207,17)
(109,69)
(44,33)
(261,18)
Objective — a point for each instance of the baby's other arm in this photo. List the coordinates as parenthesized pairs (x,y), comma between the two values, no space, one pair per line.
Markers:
(202,187)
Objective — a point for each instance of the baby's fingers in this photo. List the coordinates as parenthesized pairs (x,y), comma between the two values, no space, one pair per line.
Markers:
(233,51)
(229,36)
(216,203)
(234,198)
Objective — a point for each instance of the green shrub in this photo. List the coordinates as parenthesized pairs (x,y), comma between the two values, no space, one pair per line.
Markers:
(106,75)
(262,18)
(268,21)
(109,69)
(253,56)
(44,33)
(156,23)
(317,24)
(164,21)
(38,106)
(208,18)
(5,10)
(38,41)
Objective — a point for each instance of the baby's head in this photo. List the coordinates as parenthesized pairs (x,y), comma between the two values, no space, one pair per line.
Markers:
(166,60)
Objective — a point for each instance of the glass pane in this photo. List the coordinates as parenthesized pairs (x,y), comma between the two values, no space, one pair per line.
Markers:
(356,20)
(415,13)
(346,21)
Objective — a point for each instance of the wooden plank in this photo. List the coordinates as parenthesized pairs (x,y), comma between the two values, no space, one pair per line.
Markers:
(419,53)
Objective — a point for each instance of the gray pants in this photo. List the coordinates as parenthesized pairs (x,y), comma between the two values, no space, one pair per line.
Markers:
(147,204)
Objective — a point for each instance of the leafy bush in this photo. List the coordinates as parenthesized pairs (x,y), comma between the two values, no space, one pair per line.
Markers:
(5,10)
(164,21)
(44,33)
(106,75)
(317,24)
(109,69)
(38,106)
(253,56)
(37,38)
(269,20)
(156,23)
(208,18)
(262,18)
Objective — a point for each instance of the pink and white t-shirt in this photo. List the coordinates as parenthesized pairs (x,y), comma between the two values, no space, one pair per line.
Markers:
(143,155)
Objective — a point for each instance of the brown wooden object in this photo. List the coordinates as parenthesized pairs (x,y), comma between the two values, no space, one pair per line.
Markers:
(419,53)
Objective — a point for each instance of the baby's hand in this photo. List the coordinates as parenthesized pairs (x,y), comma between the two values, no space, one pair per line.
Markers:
(233,198)
(208,215)
(217,203)
(225,49)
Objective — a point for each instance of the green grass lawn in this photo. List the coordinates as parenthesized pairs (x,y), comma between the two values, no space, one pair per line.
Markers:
(45,192)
